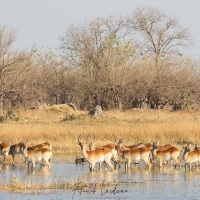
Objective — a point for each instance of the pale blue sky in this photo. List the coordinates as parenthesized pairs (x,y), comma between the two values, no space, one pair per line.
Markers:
(42,22)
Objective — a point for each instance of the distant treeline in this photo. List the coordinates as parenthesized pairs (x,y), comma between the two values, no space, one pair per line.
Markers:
(118,62)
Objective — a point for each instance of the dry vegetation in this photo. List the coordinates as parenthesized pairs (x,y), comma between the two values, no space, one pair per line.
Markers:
(61,126)
(17,185)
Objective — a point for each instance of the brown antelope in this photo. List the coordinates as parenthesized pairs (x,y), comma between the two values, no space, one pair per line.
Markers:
(4,150)
(136,155)
(110,146)
(17,149)
(164,147)
(132,147)
(166,154)
(95,156)
(148,145)
(40,155)
(46,145)
(190,157)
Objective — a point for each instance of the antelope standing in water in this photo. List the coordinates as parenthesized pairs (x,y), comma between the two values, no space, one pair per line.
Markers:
(4,150)
(136,155)
(95,156)
(110,146)
(17,149)
(190,157)
(39,155)
(166,154)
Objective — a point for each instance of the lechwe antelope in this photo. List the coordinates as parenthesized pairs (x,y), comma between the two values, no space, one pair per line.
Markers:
(40,155)
(132,147)
(110,146)
(161,148)
(17,149)
(190,157)
(46,145)
(4,150)
(95,156)
(167,154)
(136,155)
(150,145)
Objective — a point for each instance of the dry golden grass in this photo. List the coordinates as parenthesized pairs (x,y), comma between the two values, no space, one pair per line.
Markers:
(61,126)
(18,185)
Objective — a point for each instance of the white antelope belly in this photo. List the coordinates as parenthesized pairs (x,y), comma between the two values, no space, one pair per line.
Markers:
(136,159)
(166,158)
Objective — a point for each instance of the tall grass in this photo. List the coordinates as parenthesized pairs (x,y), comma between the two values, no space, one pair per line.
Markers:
(57,126)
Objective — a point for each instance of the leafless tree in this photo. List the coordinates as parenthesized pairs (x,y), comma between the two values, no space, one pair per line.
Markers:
(100,51)
(159,35)
(13,63)
(159,38)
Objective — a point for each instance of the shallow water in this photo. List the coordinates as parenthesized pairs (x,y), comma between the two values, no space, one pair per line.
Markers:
(138,183)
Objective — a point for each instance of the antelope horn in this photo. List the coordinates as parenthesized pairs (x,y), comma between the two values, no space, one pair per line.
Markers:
(94,138)
(115,140)
(79,139)
(86,138)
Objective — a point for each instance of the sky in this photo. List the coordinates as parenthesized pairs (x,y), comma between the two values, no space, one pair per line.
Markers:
(42,22)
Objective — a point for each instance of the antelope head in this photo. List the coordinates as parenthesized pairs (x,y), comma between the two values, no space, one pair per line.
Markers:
(154,145)
(23,146)
(82,144)
(186,148)
(115,142)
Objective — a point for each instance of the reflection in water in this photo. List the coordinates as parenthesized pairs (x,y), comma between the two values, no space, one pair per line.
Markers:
(155,183)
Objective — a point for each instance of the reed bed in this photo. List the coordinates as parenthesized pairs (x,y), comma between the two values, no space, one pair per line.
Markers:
(61,126)
(17,185)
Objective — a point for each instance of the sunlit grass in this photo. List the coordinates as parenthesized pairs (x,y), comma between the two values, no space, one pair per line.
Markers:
(62,126)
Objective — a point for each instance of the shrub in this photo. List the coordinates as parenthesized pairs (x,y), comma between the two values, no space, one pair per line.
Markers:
(69,117)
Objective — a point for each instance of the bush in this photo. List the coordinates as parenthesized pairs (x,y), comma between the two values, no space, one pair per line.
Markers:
(2,119)
(13,115)
(69,117)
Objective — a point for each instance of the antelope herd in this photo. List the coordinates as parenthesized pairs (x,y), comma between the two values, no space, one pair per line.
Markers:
(40,153)
(112,154)
(117,152)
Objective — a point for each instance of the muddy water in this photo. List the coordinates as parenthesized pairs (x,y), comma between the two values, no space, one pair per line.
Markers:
(137,183)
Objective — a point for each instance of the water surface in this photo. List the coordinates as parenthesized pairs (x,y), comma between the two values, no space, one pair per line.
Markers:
(137,183)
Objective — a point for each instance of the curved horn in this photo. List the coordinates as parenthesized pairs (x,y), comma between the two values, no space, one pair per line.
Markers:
(86,138)
(94,138)
(79,142)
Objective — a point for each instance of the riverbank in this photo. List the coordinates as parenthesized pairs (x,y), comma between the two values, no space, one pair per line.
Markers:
(61,126)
